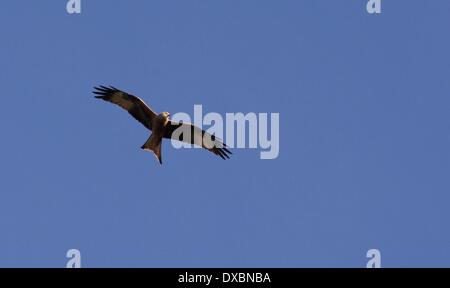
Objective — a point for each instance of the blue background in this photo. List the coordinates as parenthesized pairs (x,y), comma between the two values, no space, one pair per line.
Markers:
(364,134)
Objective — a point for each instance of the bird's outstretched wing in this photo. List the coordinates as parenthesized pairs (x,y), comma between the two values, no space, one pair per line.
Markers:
(134,105)
(192,134)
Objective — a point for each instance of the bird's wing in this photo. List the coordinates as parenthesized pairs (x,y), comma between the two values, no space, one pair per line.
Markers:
(192,134)
(134,105)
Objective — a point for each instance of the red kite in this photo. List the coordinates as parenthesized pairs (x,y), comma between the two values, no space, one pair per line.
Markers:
(160,124)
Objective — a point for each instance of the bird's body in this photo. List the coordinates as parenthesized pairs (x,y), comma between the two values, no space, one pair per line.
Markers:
(154,142)
(160,124)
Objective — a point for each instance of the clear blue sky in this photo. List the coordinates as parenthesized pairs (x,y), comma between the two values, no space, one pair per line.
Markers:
(364,142)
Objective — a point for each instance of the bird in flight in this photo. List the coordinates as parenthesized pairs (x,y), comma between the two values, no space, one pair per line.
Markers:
(160,124)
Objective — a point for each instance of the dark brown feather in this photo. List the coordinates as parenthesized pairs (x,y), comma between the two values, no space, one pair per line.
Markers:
(134,105)
(219,148)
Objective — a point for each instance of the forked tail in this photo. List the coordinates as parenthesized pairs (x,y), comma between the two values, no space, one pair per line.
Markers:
(154,144)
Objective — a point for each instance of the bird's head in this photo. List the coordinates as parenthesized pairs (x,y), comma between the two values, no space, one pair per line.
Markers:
(164,115)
